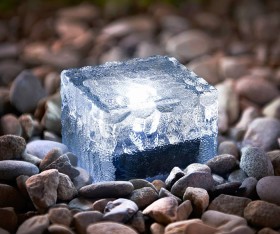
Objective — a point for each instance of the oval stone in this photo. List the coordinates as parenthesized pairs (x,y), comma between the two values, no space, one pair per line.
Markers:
(268,189)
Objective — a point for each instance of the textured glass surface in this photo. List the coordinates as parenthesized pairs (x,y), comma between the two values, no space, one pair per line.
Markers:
(139,118)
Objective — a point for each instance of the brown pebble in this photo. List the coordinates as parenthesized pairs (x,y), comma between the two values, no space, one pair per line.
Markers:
(59,229)
(35,225)
(8,219)
(9,124)
(83,219)
(109,228)
(11,147)
(60,215)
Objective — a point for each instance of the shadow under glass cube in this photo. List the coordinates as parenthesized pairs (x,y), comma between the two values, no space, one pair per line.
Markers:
(139,118)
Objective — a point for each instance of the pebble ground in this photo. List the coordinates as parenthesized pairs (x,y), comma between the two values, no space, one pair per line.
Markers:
(234,45)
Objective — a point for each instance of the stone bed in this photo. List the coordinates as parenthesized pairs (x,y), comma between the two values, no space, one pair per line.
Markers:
(234,45)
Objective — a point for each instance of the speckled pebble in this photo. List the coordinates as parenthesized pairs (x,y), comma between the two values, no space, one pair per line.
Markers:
(255,163)
(11,147)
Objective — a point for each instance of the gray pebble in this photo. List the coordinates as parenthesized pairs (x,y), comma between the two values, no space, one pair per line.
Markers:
(26,91)
(120,210)
(82,179)
(11,169)
(237,175)
(255,163)
(40,148)
(248,188)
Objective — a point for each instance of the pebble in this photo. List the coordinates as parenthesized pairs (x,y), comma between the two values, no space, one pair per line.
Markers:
(27,125)
(263,132)
(206,67)
(81,204)
(8,219)
(218,179)
(255,163)
(197,167)
(229,204)
(15,198)
(82,179)
(66,190)
(191,226)
(248,115)
(40,148)
(228,147)
(195,179)
(35,225)
(63,165)
(9,124)
(267,231)
(50,157)
(157,228)
(268,189)
(199,199)
(248,187)
(52,116)
(9,69)
(163,210)
(26,91)
(60,215)
(175,174)
(42,189)
(228,105)
(237,175)
(190,44)
(120,210)
(232,67)
(22,186)
(257,90)
(10,169)
(83,219)
(165,193)
(109,228)
(100,204)
(275,160)
(184,210)
(158,184)
(108,189)
(137,222)
(230,188)
(11,147)
(59,229)
(222,164)
(31,159)
(262,214)
(272,109)
(226,223)
(143,196)
(141,183)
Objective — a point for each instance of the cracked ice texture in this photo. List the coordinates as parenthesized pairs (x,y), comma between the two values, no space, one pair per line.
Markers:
(139,118)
